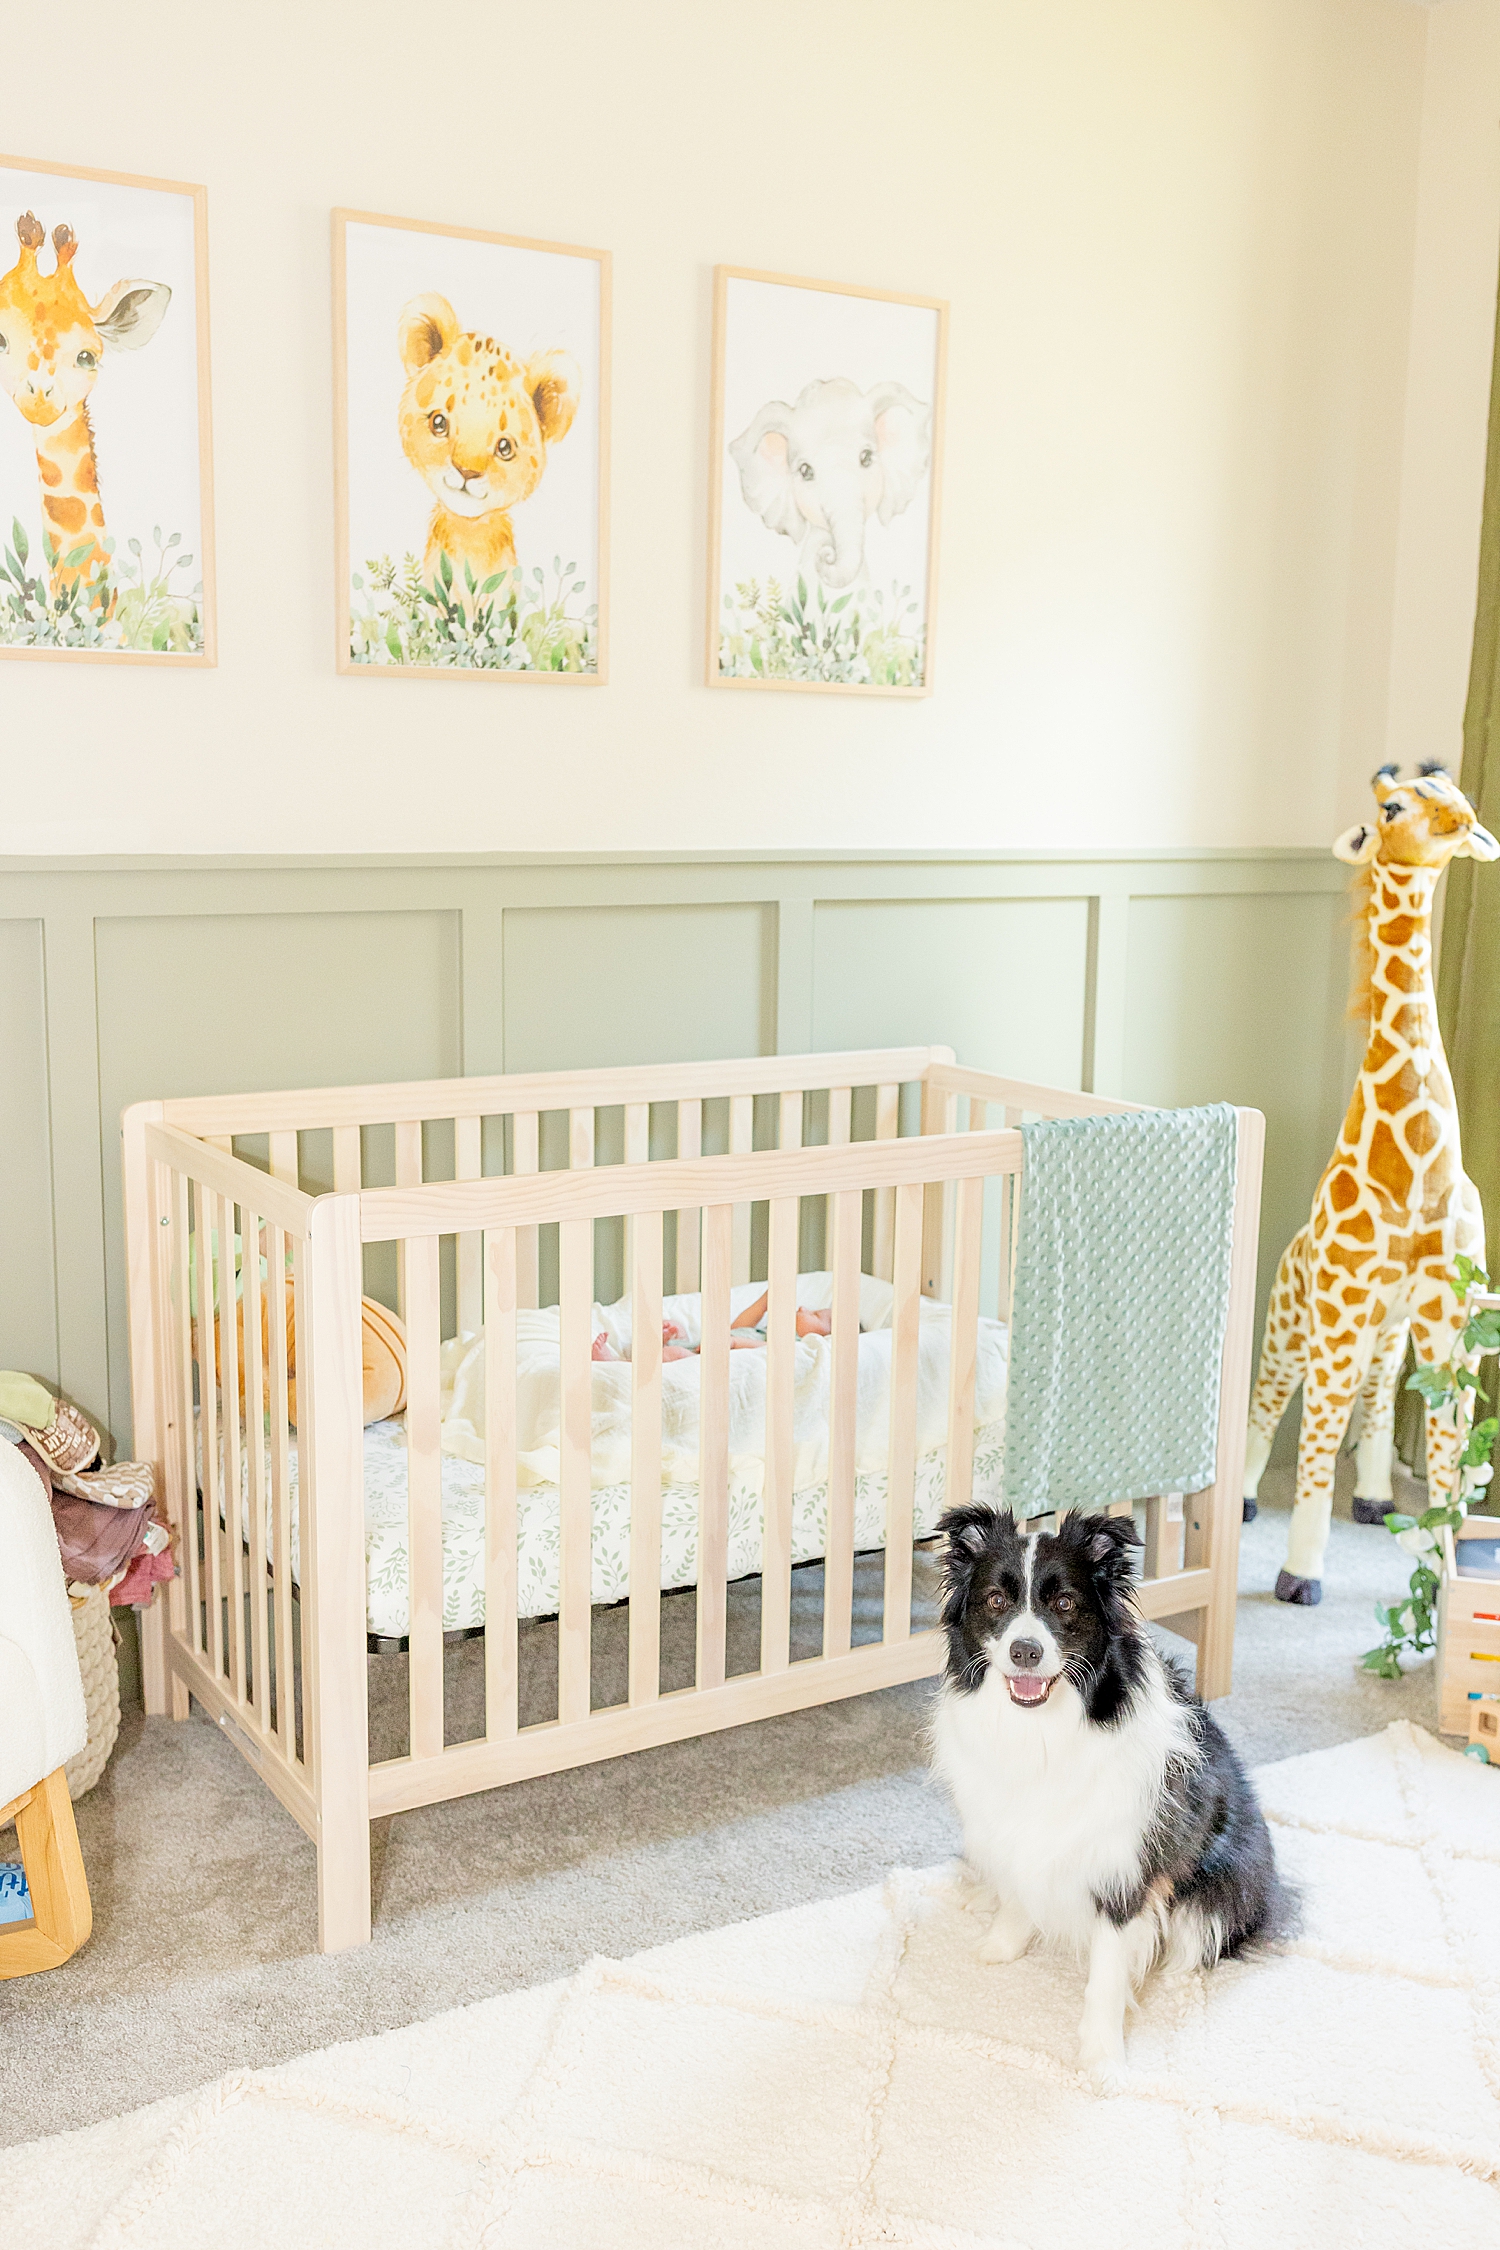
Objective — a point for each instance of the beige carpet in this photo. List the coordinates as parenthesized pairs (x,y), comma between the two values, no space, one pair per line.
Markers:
(844,2074)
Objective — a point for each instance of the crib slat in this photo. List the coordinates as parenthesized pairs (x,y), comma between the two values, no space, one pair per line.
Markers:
(637,1151)
(713,1444)
(789,1120)
(1009,1188)
(843,1403)
(408,1132)
(939,1115)
(299,1331)
(741,1142)
(906,1314)
(229,1422)
(525,1157)
(575,1491)
(500,1645)
(887,1126)
(468,1164)
(645,1455)
(424,1497)
(781,1346)
(187,1421)
(281,1481)
(348,1163)
(284,1157)
(840,1115)
(208,1424)
(255,1461)
(580,1139)
(963,1340)
(689,1143)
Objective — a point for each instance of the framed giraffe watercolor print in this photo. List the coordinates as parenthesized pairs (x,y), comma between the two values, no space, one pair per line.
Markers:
(471,450)
(106,484)
(824,476)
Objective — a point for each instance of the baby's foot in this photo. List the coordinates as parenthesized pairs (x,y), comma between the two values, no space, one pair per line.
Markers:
(603,1348)
(677,1351)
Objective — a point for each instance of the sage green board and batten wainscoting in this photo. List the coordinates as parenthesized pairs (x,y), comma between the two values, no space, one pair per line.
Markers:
(1177,977)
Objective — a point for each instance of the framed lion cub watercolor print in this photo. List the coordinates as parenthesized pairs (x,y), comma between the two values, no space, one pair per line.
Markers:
(823,485)
(106,488)
(471,447)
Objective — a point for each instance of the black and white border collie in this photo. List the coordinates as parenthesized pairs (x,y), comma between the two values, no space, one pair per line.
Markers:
(1100,1801)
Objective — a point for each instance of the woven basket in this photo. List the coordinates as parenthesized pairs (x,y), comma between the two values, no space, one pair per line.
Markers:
(94,1632)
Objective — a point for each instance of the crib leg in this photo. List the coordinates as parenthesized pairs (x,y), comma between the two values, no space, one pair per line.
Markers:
(162,1691)
(343,1886)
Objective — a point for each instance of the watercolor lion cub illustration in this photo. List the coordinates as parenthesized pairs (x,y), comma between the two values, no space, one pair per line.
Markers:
(475,425)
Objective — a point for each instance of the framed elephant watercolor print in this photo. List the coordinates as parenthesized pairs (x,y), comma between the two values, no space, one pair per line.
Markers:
(472,449)
(827,444)
(106,466)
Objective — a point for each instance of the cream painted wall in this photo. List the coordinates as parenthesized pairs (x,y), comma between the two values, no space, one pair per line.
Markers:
(1452,343)
(1177,236)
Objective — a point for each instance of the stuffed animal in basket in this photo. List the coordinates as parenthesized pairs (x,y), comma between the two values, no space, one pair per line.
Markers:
(382,1352)
(1392,1210)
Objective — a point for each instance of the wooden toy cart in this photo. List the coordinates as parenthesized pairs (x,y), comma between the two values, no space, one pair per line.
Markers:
(1468,1648)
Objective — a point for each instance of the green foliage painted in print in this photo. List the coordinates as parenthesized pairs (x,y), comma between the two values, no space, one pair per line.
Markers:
(510,623)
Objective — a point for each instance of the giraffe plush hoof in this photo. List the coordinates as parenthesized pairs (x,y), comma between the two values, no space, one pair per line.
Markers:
(1370,1511)
(1306,1593)
(1252,1510)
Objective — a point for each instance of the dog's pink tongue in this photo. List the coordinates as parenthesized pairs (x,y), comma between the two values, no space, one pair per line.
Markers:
(1027,1688)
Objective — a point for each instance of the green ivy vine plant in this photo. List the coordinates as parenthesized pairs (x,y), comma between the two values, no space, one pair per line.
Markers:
(1411,1623)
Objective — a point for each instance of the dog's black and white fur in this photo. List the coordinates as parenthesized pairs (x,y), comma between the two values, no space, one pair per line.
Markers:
(1099,1800)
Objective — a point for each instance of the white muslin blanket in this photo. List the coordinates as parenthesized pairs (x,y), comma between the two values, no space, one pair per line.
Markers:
(538,1390)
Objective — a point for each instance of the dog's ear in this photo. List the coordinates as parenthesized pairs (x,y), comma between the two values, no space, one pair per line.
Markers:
(967,1534)
(1106,1542)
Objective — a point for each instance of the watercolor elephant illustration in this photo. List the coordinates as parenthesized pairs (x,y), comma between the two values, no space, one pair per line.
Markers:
(52,343)
(818,471)
(475,425)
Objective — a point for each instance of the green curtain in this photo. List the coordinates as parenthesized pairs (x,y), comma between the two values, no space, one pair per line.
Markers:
(1469,963)
(1469,967)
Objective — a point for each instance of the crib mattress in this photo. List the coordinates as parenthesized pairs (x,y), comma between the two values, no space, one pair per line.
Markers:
(537,1541)
(537,1498)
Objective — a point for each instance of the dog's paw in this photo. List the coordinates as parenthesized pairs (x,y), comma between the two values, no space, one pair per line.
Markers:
(1005,1940)
(1104,2066)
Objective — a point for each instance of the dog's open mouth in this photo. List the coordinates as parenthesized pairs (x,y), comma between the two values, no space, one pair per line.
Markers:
(1027,1689)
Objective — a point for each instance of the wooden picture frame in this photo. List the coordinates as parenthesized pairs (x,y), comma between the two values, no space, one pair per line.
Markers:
(112,595)
(538,357)
(808,374)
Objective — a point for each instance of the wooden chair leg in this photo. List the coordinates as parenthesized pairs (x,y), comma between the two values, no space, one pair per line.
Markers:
(61,1914)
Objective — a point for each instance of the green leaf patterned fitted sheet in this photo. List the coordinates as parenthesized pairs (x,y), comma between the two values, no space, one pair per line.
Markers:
(386,1530)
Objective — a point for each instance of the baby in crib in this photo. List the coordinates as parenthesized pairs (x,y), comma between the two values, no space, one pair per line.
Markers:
(747,1332)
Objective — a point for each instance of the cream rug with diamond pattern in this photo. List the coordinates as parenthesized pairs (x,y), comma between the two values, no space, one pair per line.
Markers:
(846,2074)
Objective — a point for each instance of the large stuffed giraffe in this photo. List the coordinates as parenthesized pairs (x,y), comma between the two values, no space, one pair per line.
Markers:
(51,343)
(1393,1209)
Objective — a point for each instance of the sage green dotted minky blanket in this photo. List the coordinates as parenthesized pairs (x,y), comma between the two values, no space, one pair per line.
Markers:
(1118,1308)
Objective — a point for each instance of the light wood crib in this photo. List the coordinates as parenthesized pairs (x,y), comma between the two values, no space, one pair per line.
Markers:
(500,1198)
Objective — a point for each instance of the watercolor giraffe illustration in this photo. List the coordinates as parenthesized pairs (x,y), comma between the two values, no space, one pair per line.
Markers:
(52,341)
(1393,1208)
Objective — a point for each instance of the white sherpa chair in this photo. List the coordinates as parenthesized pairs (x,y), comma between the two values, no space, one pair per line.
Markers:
(42,1723)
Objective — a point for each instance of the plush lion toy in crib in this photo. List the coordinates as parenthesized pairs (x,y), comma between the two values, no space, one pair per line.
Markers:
(382,1351)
